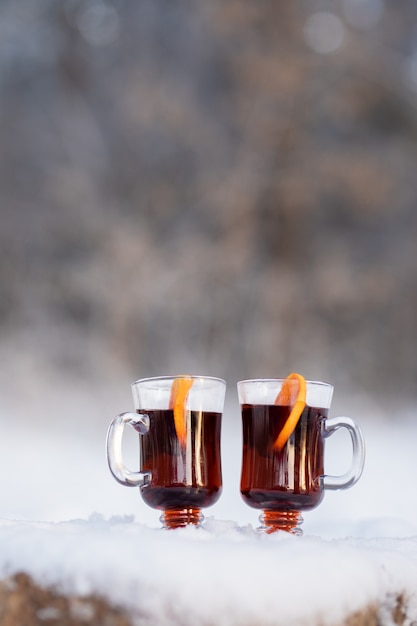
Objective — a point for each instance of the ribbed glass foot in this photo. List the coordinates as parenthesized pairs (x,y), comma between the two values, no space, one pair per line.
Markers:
(288,521)
(179,518)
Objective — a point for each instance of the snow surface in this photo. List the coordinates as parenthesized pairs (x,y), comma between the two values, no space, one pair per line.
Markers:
(225,574)
(68,523)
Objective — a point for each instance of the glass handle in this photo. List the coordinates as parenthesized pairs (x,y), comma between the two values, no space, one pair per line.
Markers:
(358,453)
(114,448)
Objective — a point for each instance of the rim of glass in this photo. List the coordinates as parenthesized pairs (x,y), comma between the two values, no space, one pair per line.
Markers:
(317,383)
(166,378)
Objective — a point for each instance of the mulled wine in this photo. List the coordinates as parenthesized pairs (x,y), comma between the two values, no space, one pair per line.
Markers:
(286,479)
(183,475)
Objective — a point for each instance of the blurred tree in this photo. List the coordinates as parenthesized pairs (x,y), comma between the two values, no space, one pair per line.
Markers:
(226,187)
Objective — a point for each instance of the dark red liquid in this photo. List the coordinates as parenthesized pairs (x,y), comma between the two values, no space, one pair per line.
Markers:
(182,476)
(288,479)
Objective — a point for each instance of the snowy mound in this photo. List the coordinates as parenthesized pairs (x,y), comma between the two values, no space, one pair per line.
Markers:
(224,574)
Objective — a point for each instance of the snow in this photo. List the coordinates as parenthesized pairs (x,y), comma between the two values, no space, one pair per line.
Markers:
(225,573)
(65,521)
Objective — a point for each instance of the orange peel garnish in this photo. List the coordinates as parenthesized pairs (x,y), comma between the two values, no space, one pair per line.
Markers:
(293,395)
(177,402)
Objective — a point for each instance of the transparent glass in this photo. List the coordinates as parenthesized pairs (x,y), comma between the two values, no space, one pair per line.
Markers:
(285,481)
(180,472)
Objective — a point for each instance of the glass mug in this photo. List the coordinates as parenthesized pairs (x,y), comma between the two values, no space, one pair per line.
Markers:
(283,482)
(180,465)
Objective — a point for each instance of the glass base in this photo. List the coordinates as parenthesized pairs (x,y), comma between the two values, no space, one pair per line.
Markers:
(179,518)
(287,521)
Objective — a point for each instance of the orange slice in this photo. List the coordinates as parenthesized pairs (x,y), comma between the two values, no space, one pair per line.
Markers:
(177,402)
(293,394)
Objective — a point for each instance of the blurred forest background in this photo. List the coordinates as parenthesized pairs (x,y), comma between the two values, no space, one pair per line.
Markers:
(224,188)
